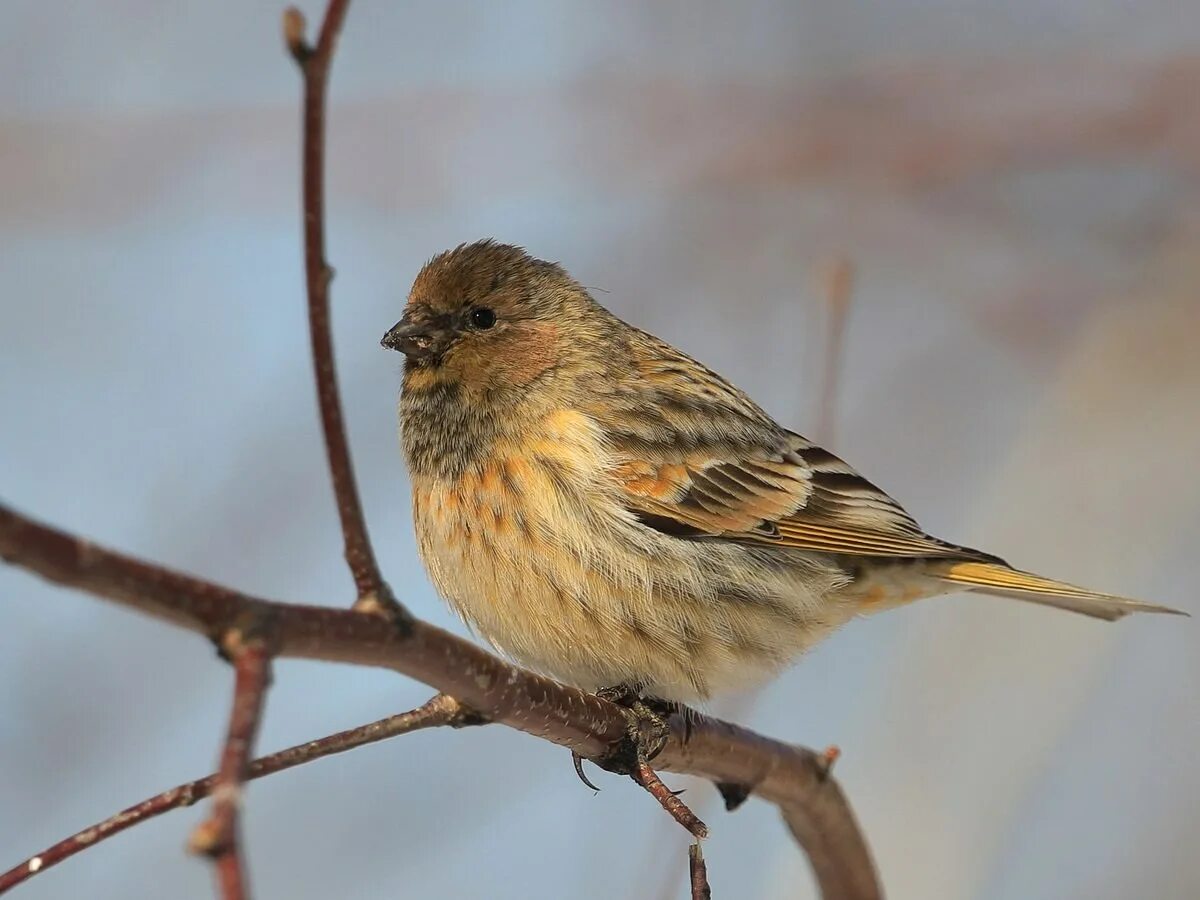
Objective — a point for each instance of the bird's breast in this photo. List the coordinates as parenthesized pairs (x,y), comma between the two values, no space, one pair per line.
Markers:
(527,504)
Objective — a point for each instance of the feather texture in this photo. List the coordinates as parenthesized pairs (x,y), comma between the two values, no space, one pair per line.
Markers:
(1004,581)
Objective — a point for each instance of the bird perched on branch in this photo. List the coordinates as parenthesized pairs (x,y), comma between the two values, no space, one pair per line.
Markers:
(605,509)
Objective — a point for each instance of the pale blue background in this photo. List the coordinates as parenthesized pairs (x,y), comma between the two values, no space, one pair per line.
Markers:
(1017,184)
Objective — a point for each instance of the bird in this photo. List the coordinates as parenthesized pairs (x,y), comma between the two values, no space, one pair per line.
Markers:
(606,510)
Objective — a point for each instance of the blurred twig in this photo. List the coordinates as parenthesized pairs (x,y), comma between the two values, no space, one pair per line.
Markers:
(837,281)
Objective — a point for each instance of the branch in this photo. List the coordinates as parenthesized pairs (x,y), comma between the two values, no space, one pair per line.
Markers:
(217,836)
(791,777)
(314,64)
(648,779)
(440,710)
(698,873)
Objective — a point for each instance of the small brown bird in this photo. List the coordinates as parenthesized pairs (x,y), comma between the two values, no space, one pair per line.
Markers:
(603,508)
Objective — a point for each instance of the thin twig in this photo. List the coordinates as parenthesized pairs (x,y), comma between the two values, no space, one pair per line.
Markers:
(439,710)
(218,835)
(829,756)
(645,776)
(837,284)
(698,873)
(314,63)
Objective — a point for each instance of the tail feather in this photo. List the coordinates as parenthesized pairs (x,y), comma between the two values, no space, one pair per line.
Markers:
(992,578)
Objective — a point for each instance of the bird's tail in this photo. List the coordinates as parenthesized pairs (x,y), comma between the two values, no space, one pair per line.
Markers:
(998,579)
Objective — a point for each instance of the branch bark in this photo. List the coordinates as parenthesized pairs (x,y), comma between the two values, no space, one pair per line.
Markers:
(648,779)
(698,873)
(218,836)
(793,778)
(314,63)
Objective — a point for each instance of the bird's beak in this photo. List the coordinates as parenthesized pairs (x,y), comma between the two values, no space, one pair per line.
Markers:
(418,336)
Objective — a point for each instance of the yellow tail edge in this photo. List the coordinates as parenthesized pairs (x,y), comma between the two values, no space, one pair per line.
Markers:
(992,578)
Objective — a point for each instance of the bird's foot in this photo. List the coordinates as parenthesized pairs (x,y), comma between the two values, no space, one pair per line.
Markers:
(646,734)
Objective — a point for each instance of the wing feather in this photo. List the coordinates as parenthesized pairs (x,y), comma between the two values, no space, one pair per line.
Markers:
(696,457)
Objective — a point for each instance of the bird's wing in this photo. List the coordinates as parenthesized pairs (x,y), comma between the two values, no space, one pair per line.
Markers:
(802,497)
(695,457)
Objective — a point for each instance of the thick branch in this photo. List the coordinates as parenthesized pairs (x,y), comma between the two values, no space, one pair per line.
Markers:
(791,777)
(314,63)
(439,710)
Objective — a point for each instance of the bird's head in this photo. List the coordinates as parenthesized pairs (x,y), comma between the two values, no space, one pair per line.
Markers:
(491,317)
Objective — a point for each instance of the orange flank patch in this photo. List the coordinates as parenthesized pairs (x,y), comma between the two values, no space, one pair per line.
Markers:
(673,474)
(646,481)
(888,592)
(519,474)
(872,596)
(646,487)
(633,470)
(515,468)
(489,480)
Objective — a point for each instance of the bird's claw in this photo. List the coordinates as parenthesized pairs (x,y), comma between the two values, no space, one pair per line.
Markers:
(646,734)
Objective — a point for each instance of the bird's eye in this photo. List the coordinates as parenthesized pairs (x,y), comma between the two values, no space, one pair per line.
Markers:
(482,317)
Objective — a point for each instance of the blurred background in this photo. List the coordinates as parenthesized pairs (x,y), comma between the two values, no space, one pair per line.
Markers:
(1018,188)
